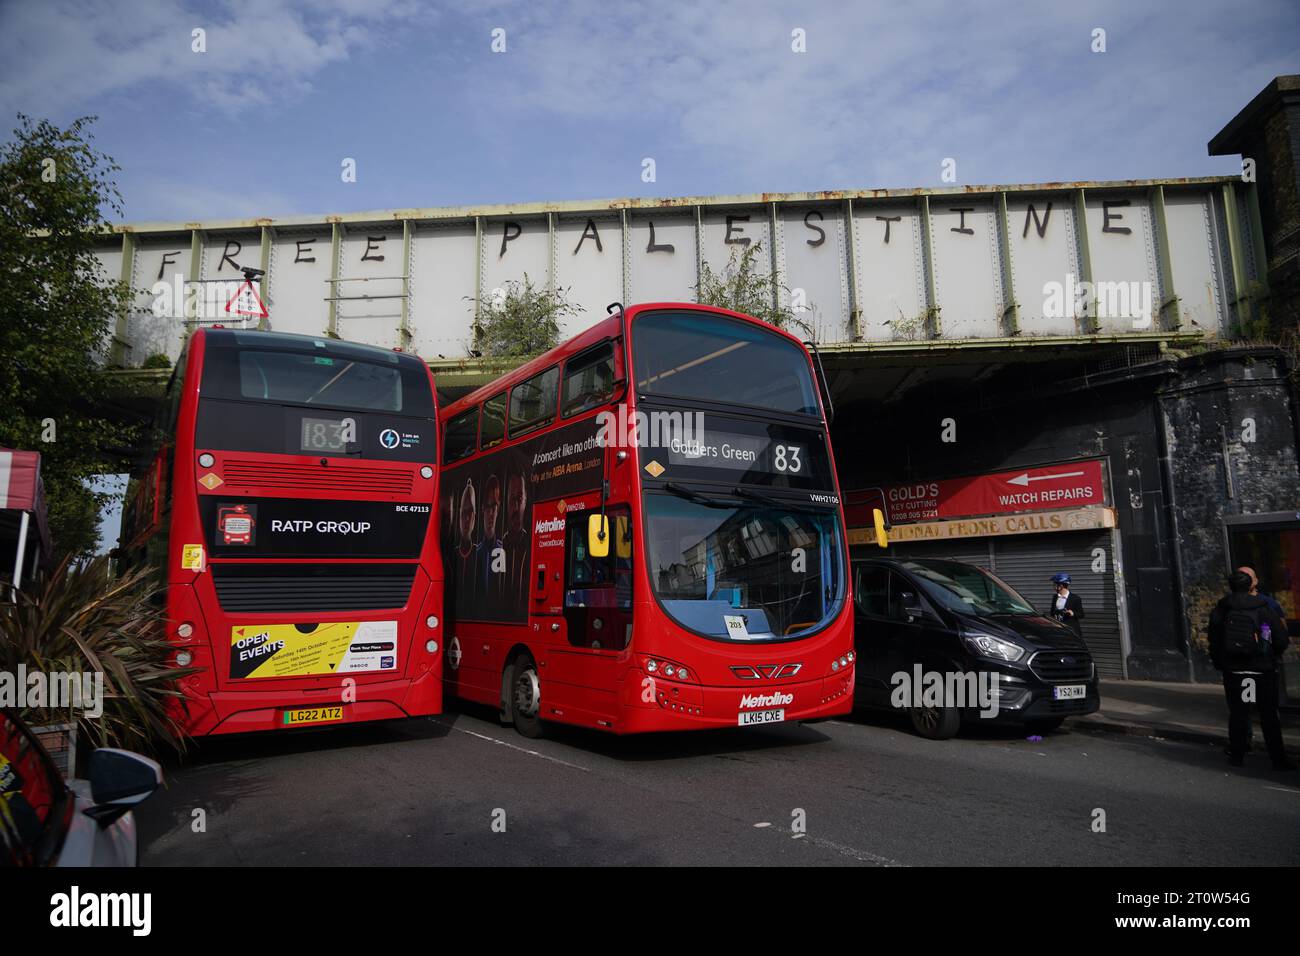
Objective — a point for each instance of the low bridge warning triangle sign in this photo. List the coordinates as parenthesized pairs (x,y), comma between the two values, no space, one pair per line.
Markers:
(246,301)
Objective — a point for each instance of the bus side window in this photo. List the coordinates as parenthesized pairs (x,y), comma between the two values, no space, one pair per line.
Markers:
(461,436)
(532,402)
(588,379)
(492,430)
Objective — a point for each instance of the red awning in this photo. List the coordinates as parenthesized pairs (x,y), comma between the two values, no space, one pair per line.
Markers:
(20,478)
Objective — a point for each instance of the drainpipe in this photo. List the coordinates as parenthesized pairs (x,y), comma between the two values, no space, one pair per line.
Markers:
(1167,473)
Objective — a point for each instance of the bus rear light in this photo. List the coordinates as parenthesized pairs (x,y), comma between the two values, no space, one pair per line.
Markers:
(184,659)
(185,630)
(431,621)
(669,669)
(431,647)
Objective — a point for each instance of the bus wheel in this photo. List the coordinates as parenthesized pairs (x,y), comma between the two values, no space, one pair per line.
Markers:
(525,699)
(935,723)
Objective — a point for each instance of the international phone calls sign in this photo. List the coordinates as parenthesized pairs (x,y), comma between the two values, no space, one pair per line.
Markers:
(1075,484)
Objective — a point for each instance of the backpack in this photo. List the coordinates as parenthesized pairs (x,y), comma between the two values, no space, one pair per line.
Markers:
(1241,633)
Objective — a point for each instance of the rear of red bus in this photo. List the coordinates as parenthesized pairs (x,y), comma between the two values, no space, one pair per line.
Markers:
(742,598)
(301,549)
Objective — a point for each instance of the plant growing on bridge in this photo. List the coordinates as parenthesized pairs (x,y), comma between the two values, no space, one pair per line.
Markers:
(79,619)
(520,319)
(57,319)
(743,287)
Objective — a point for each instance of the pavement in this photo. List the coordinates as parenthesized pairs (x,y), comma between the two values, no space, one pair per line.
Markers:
(1196,713)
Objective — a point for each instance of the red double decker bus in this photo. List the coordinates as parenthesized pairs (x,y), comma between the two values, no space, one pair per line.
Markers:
(642,531)
(290,504)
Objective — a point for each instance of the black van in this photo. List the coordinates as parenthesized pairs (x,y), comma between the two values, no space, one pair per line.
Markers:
(926,630)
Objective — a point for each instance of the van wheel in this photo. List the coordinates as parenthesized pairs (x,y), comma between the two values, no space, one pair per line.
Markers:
(523,696)
(935,723)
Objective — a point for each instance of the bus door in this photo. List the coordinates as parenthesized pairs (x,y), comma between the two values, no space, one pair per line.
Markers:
(596,619)
(598,591)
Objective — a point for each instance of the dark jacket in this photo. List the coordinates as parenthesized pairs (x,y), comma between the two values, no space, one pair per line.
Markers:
(1072,603)
(1257,604)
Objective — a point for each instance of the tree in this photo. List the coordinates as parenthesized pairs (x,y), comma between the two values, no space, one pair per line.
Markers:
(741,287)
(521,319)
(57,310)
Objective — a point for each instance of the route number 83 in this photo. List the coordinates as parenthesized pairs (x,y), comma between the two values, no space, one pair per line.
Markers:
(787,459)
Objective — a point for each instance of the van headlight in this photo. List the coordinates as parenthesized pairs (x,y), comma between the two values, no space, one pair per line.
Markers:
(986,645)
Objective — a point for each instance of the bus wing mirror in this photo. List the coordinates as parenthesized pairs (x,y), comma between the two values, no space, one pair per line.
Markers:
(623,540)
(598,536)
(882,529)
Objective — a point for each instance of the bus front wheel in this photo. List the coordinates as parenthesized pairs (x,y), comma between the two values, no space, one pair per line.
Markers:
(524,696)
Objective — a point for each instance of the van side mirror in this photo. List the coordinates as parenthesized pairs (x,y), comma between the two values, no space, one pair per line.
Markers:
(598,535)
(911,604)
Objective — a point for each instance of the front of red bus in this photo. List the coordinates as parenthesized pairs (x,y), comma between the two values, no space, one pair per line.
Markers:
(743,612)
(304,577)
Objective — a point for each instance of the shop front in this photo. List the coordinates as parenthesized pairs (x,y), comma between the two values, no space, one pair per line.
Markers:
(1024,526)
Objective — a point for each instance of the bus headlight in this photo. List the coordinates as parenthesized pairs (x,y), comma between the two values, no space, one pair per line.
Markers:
(183,658)
(652,666)
(431,621)
(431,647)
(206,460)
(185,630)
(426,472)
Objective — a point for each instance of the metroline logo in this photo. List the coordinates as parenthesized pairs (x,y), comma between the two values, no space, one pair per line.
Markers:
(767,700)
(549,524)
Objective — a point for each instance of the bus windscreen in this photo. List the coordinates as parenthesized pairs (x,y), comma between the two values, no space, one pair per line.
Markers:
(725,571)
(689,355)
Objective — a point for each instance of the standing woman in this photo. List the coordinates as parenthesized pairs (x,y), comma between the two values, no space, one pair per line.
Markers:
(1067,607)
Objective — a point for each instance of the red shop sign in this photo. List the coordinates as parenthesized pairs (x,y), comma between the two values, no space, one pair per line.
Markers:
(1075,484)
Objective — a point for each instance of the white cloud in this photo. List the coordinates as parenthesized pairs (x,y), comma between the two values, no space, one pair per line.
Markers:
(66,54)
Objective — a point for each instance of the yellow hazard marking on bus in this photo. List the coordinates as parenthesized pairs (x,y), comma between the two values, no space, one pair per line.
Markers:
(655,469)
(211,480)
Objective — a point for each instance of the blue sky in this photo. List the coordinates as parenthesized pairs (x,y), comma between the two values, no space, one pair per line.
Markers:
(260,123)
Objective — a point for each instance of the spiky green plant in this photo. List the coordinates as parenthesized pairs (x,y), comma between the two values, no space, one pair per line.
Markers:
(79,618)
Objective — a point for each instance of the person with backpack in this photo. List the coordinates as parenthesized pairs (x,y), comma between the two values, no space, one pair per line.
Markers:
(1246,640)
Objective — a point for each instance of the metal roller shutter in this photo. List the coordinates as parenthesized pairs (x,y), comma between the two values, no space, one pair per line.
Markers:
(1028,563)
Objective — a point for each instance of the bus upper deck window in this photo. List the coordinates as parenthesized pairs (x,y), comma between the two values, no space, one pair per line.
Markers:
(588,379)
(532,402)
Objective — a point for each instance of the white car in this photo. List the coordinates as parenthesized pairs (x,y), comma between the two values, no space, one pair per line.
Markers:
(45,821)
